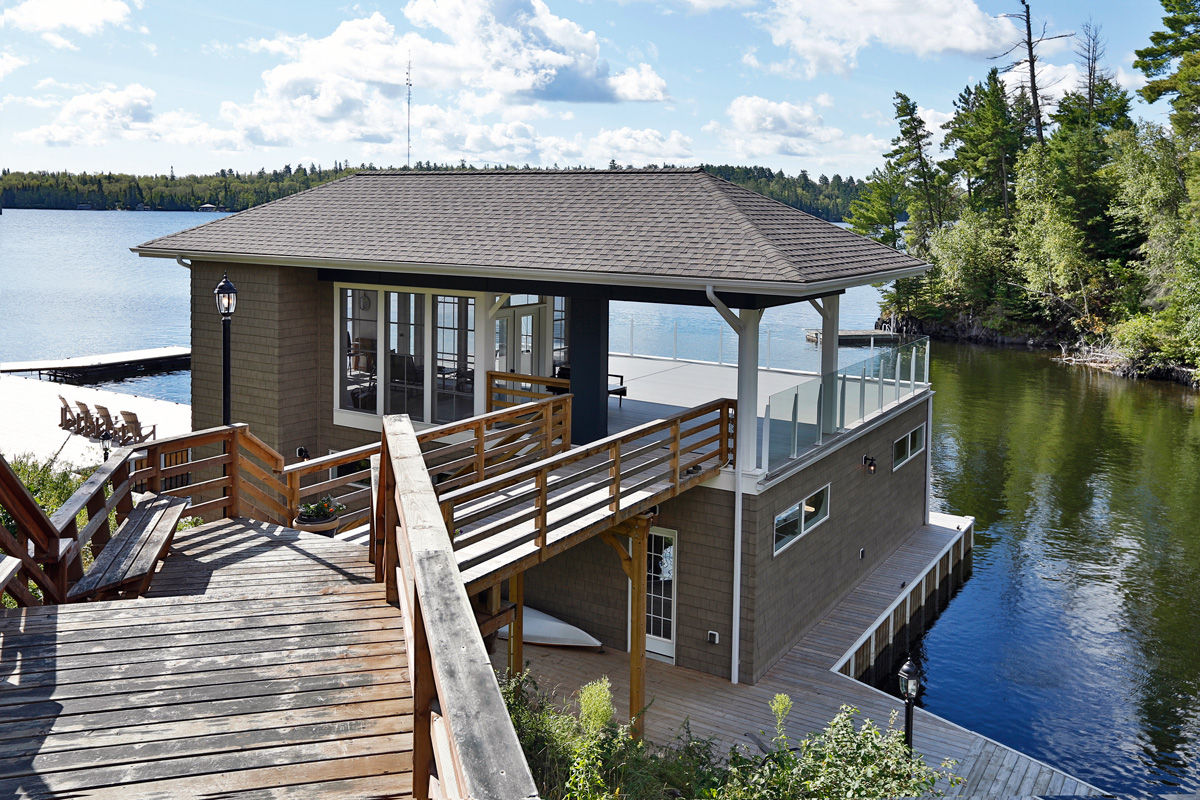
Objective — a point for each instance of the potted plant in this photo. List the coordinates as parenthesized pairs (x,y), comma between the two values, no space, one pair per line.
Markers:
(320,516)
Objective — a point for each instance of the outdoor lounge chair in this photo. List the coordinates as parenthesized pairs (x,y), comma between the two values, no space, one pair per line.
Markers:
(69,417)
(105,423)
(133,429)
(88,425)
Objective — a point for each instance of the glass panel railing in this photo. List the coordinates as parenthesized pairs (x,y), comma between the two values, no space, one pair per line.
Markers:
(793,422)
(860,391)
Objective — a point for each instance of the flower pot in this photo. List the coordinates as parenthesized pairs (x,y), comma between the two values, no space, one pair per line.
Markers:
(326,526)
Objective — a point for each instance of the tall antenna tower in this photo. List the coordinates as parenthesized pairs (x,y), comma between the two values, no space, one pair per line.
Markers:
(408,83)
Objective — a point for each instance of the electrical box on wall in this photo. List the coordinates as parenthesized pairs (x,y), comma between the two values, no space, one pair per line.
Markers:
(714,637)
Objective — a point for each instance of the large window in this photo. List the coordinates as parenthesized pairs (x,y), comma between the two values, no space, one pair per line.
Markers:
(404,352)
(908,447)
(359,335)
(454,358)
(801,518)
(561,341)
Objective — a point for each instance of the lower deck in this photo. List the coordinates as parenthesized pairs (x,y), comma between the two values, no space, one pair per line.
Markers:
(736,714)
(266,659)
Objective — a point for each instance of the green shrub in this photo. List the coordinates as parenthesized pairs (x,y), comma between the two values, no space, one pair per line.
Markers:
(587,756)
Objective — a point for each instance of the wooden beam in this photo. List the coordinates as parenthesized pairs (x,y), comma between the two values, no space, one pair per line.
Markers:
(637,615)
(516,630)
(626,560)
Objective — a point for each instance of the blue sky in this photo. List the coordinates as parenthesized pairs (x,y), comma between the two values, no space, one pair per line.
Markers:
(144,86)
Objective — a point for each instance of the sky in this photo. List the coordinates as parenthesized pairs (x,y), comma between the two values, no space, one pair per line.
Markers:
(146,86)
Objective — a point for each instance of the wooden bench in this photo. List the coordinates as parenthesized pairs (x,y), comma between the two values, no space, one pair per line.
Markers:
(127,562)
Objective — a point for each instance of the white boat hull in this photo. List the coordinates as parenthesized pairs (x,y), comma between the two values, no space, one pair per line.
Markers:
(541,628)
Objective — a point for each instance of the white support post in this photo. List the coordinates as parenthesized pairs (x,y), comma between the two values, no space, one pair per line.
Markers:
(830,322)
(747,388)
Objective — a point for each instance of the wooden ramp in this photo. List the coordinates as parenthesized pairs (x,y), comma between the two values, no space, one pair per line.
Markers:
(732,713)
(265,663)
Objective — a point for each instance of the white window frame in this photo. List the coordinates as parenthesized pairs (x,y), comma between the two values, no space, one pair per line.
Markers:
(798,507)
(368,421)
(911,453)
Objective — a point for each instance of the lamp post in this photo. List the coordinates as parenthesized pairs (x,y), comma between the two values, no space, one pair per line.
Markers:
(226,296)
(910,684)
(105,442)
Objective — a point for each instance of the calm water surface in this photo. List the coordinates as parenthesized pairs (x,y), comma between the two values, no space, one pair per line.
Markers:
(1076,639)
(69,286)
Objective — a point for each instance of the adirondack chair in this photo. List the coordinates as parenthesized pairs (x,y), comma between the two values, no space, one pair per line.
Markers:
(88,425)
(105,423)
(69,417)
(133,429)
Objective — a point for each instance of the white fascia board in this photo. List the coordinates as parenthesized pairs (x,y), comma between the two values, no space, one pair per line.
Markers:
(778,288)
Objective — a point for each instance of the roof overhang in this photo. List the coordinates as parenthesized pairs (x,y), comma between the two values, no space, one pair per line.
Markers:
(798,290)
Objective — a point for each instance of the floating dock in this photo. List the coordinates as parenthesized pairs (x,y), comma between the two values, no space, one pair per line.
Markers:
(856,338)
(106,366)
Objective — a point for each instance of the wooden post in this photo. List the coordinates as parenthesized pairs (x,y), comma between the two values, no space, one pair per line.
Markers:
(480,460)
(96,505)
(424,694)
(125,504)
(614,474)
(540,519)
(389,561)
(637,627)
(233,446)
(675,446)
(293,495)
(516,647)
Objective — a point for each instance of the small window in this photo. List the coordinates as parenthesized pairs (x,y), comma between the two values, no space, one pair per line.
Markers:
(801,518)
(907,447)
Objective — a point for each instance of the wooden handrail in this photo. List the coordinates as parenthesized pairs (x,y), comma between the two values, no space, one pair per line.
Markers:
(469,740)
(562,385)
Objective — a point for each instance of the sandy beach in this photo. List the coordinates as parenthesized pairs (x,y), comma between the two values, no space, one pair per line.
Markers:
(29,418)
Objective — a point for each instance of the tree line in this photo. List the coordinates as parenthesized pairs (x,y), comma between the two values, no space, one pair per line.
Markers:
(1079,225)
(828,198)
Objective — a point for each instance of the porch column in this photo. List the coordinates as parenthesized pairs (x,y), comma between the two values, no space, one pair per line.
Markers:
(830,325)
(587,324)
(747,388)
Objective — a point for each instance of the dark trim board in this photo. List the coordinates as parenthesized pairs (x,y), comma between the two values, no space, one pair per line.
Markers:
(583,291)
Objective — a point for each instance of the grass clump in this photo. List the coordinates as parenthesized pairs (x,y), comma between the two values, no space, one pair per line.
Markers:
(586,755)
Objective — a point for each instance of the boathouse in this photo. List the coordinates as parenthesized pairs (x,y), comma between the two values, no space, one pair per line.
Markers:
(445,295)
(433,348)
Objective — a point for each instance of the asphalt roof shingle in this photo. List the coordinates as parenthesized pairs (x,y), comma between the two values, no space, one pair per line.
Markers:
(674,224)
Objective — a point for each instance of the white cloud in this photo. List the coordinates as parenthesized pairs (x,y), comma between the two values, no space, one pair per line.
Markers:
(701,6)
(10,63)
(1054,80)
(827,37)
(1129,78)
(934,120)
(824,100)
(639,83)
(760,127)
(58,42)
(84,16)
(94,118)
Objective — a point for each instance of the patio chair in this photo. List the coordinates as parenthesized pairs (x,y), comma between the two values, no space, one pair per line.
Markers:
(105,423)
(69,418)
(133,429)
(88,425)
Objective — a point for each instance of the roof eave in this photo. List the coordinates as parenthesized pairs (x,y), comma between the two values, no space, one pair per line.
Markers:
(797,289)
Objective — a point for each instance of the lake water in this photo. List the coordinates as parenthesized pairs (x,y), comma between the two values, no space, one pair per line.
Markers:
(1076,639)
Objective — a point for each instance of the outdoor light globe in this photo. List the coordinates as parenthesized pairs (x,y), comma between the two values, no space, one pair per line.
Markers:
(909,683)
(226,294)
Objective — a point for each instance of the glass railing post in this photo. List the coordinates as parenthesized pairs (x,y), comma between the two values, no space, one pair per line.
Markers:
(912,371)
(796,422)
(675,349)
(862,393)
(630,335)
(766,456)
(927,349)
(820,412)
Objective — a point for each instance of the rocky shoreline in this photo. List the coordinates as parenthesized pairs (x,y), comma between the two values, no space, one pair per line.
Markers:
(1076,353)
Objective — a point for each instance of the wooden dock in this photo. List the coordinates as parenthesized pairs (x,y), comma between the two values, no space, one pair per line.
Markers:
(732,713)
(265,662)
(860,338)
(105,366)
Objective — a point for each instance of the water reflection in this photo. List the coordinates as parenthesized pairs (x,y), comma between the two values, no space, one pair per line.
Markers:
(1076,639)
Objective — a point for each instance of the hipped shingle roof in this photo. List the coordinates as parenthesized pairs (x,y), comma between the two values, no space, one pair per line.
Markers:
(677,226)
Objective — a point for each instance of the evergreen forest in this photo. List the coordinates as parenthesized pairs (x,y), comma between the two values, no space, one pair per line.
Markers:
(1064,222)
(229,190)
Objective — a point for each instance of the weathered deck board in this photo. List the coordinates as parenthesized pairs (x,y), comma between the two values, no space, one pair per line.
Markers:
(713,707)
(264,662)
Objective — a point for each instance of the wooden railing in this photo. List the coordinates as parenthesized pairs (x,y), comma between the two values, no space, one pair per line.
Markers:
(555,501)
(506,389)
(464,744)
(456,454)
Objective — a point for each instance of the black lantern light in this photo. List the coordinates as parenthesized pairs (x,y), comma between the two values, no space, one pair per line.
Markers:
(869,464)
(226,296)
(910,685)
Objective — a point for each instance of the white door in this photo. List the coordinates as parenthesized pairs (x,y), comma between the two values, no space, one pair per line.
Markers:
(661,567)
(518,343)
